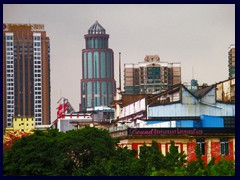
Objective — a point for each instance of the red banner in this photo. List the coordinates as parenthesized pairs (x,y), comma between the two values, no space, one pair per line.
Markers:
(62,109)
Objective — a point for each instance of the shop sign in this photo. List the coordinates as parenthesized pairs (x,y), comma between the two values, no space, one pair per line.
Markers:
(156,131)
(177,131)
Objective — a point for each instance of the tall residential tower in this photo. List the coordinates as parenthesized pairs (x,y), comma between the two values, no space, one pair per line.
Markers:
(26,73)
(97,84)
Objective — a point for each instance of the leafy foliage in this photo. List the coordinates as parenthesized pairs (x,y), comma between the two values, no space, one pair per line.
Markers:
(53,153)
(123,163)
(10,137)
(174,158)
(92,152)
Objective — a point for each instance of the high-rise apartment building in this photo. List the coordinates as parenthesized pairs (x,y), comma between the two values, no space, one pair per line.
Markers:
(231,61)
(97,84)
(151,76)
(26,73)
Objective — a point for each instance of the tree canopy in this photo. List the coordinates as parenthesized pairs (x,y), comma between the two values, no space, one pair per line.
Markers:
(54,153)
(93,152)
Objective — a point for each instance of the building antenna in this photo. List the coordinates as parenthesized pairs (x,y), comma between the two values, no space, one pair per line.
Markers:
(192,73)
(120,71)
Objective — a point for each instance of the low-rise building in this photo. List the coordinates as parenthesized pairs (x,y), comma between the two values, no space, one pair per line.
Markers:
(101,117)
(205,119)
(24,124)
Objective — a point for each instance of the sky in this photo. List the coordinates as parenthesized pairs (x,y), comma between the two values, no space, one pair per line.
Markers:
(196,35)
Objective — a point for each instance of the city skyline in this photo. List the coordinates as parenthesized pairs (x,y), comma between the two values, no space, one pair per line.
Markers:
(198,36)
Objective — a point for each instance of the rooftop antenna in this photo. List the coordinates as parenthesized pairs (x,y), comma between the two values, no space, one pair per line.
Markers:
(120,71)
(192,73)
(59,101)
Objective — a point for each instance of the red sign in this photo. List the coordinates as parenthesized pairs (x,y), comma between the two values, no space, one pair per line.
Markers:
(62,109)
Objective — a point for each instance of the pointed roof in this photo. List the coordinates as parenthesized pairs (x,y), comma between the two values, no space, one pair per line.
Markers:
(96,28)
(202,92)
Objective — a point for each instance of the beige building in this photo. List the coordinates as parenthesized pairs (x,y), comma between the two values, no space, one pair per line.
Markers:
(151,76)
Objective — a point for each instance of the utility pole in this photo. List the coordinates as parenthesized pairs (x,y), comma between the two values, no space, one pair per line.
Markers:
(120,83)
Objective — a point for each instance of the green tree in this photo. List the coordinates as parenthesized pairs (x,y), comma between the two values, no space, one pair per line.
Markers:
(222,168)
(173,163)
(196,167)
(174,158)
(144,160)
(85,149)
(151,159)
(123,163)
(51,153)
(156,156)
(33,155)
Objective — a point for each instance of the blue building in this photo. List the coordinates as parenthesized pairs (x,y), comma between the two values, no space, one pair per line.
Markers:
(98,86)
(213,106)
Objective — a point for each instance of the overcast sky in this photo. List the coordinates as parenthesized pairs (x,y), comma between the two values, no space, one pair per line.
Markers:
(198,36)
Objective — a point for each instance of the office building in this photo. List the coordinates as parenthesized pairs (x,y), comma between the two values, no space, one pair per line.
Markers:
(151,76)
(98,86)
(26,73)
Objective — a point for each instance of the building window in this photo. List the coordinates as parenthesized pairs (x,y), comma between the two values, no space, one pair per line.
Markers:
(201,145)
(90,65)
(103,65)
(224,147)
(96,65)
(85,65)
(109,65)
